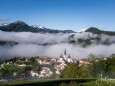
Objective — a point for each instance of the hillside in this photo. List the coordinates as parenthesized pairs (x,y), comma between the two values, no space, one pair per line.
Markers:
(97,31)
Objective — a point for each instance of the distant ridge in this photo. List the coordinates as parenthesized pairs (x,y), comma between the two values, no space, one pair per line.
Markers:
(20,26)
(97,31)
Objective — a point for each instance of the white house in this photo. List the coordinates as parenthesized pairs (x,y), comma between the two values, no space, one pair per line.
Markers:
(34,74)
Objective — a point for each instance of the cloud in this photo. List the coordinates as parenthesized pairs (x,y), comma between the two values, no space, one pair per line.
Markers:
(38,38)
(30,44)
(29,50)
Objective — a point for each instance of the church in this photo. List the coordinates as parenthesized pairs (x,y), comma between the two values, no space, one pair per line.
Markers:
(65,59)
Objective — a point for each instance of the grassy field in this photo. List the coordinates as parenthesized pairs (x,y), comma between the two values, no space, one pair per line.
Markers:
(52,82)
(93,83)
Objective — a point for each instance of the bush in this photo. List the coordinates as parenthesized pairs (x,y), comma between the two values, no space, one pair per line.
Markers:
(72,83)
(63,84)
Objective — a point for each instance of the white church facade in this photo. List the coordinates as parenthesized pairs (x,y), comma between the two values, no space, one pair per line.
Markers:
(65,59)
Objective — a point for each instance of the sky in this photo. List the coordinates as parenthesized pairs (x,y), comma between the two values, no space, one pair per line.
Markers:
(60,14)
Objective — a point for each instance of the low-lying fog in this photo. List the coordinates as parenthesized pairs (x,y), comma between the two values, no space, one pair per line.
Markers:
(31,44)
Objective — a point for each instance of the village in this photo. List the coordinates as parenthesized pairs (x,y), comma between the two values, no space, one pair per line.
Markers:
(40,67)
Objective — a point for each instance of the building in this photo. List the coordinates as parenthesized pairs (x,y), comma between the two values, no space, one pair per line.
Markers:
(65,59)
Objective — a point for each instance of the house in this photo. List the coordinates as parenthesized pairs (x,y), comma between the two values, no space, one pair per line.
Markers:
(22,65)
(45,72)
(83,62)
(34,74)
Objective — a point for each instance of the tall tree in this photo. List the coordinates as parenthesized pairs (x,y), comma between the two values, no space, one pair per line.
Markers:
(70,71)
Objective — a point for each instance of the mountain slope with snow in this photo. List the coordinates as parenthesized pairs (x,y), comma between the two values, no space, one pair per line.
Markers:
(20,26)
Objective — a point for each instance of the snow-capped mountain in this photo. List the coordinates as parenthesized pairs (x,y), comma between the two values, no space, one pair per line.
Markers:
(20,26)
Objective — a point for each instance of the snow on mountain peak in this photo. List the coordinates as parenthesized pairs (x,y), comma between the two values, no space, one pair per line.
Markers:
(82,30)
(38,26)
(4,24)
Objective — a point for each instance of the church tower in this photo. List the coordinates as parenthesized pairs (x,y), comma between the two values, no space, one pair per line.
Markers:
(61,58)
(65,52)
(69,58)
(65,55)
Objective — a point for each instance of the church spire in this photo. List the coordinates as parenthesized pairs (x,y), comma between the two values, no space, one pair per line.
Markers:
(69,56)
(61,56)
(65,52)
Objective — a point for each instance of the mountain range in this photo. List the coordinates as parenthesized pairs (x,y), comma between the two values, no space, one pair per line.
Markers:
(20,26)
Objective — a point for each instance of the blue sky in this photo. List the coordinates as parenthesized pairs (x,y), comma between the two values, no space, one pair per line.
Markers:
(60,14)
